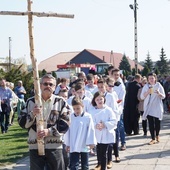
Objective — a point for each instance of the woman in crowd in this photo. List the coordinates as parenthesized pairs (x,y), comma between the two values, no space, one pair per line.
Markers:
(153,93)
(140,105)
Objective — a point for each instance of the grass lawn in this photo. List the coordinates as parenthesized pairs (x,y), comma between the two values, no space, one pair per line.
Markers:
(13,145)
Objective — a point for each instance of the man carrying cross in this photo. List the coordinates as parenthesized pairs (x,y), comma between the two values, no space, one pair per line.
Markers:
(54,108)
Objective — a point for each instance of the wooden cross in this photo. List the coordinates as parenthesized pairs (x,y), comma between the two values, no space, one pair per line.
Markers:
(30,14)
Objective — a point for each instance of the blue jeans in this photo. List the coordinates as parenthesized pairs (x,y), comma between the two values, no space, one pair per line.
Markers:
(121,130)
(74,160)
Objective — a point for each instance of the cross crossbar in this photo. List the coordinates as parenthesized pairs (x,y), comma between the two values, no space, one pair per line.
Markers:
(38,14)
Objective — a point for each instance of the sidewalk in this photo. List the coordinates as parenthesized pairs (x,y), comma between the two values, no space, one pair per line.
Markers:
(138,155)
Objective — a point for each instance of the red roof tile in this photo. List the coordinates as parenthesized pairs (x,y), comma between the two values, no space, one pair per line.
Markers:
(114,58)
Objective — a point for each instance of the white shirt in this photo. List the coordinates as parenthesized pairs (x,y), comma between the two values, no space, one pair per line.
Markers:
(121,92)
(111,101)
(90,89)
(86,102)
(69,100)
(81,133)
(88,94)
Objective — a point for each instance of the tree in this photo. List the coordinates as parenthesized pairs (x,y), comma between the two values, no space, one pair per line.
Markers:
(54,74)
(21,61)
(145,71)
(157,72)
(42,73)
(125,66)
(133,71)
(16,73)
(2,73)
(148,62)
(162,64)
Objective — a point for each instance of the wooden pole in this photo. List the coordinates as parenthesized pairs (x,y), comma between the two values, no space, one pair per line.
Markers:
(38,102)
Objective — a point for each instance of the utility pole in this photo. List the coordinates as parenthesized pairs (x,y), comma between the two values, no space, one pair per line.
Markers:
(10,53)
(38,102)
(111,56)
(134,7)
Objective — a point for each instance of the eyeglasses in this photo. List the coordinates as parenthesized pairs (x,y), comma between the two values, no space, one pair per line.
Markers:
(48,84)
(110,85)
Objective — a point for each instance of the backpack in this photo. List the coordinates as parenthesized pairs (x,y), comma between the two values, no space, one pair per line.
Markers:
(22,117)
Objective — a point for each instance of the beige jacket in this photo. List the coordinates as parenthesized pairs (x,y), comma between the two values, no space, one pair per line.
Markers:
(141,102)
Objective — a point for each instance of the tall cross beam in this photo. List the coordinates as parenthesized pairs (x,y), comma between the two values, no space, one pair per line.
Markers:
(38,102)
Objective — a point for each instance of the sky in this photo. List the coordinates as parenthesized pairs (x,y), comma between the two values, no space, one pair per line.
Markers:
(98,24)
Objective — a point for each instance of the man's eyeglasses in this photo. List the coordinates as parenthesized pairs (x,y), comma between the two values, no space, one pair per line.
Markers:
(110,85)
(48,84)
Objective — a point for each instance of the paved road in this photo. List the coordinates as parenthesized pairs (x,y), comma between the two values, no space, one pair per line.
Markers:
(138,155)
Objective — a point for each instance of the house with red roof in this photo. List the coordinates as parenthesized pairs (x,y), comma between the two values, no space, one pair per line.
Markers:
(86,56)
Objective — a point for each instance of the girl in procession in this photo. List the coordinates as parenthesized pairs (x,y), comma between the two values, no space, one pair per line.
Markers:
(111,101)
(153,93)
(105,124)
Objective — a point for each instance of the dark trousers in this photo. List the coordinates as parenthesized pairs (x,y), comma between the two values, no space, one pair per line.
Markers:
(74,160)
(102,155)
(144,124)
(116,144)
(109,152)
(135,125)
(52,160)
(114,147)
(66,157)
(154,126)
(4,121)
(132,125)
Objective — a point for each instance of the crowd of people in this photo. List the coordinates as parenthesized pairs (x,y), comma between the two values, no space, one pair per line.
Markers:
(98,113)
(11,100)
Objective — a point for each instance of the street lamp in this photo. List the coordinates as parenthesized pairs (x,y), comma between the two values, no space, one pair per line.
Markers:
(134,8)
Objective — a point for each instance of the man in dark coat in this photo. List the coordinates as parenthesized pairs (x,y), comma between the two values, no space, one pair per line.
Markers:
(131,113)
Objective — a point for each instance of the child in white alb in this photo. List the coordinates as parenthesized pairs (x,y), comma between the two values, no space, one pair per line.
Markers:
(80,136)
(111,101)
(80,92)
(105,124)
(90,86)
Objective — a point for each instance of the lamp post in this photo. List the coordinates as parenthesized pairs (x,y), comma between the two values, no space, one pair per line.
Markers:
(10,53)
(134,8)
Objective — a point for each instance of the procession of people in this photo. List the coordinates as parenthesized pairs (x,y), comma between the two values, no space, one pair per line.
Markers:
(97,114)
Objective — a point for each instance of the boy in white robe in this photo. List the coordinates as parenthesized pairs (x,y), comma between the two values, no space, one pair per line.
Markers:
(80,135)
(90,86)
(80,92)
